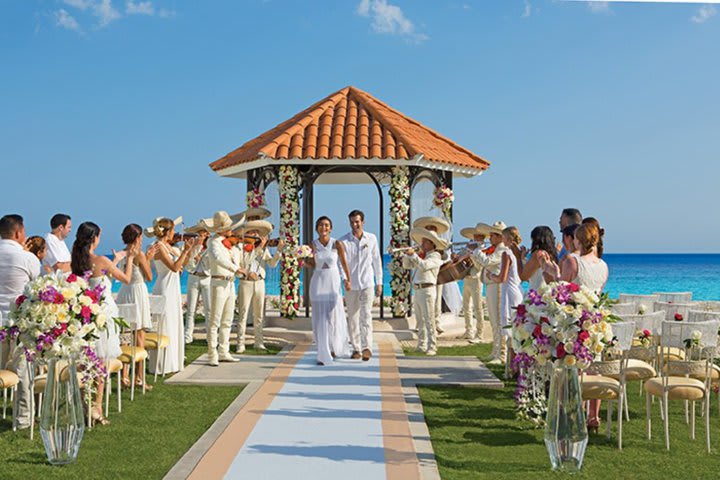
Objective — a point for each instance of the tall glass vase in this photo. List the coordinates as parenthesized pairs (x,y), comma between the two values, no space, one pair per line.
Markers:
(62,423)
(566,434)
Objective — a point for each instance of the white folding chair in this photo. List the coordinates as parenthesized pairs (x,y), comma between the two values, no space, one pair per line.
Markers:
(620,309)
(132,354)
(644,303)
(676,380)
(158,340)
(672,309)
(675,297)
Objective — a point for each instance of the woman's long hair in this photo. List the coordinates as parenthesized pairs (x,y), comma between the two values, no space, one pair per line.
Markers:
(86,234)
(543,239)
(601,233)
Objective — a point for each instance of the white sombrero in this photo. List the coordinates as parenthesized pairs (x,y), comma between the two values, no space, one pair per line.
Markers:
(417,235)
(470,232)
(255,213)
(485,229)
(150,231)
(221,222)
(437,222)
(263,227)
(197,228)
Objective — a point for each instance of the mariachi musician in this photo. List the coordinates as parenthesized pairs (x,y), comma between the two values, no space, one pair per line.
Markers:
(254,259)
(473,305)
(198,284)
(441,227)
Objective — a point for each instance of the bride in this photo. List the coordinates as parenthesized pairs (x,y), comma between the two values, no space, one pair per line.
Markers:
(328,312)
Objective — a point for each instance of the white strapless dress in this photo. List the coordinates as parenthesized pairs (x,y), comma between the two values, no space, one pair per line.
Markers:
(167,284)
(107,346)
(136,293)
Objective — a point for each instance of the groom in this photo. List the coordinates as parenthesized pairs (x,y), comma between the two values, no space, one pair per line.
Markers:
(363,260)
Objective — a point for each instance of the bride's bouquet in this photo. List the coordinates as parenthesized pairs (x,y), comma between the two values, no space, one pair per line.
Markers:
(303,252)
(563,324)
(56,317)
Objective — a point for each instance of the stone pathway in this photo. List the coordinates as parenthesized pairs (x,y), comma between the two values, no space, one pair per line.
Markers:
(349,420)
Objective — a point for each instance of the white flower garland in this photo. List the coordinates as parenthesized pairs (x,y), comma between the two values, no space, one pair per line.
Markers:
(289,230)
(399,236)
(255,198)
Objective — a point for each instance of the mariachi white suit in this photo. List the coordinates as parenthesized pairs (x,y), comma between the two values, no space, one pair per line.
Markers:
(424,286)
(251,293)
(491,264)
(473,303)
(198,285)
(224,263)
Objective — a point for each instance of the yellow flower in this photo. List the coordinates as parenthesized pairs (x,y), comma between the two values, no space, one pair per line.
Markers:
(570,360)
(598,348)
(68,293)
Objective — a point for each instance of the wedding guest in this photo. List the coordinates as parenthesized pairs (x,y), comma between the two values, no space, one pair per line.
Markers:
(509,279)
(366,276)
(17,268)
(568,240)
(198,282)
(169,263)
(426,264)
(489,261)
(38,247)
(328,313)
(600,247)
(83,260)
(543,256)
(254,259)
(473,305)
(224,261)
(58,257)
(569,216)
(135,292)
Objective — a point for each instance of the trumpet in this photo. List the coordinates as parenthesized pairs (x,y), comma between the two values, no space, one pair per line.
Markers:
(402,249)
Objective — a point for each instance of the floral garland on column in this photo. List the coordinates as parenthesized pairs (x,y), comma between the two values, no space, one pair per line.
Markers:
(255,198)
(288,181)
(443,199)
(399,237)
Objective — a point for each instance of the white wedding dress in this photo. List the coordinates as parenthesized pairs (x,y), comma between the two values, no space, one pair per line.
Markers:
(107,346)
(167,285)
(328,312)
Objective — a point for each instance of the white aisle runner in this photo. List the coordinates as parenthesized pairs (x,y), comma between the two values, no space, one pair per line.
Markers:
(325,423)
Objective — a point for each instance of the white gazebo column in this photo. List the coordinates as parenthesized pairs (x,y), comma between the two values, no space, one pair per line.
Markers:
(288,185)
(399,237)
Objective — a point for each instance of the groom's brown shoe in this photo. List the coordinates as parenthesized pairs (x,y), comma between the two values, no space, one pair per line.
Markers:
(355,355)
(366,355)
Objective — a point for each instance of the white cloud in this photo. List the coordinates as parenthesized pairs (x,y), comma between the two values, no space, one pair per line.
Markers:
(65,20)
(704,14)
(389,19)
(599,7)
(81,4)
(527,11)
(105,12)
(165,13)
(139,8)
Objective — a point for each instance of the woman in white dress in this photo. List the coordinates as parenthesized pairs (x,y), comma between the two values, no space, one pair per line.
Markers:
(543,259)
(328,312)
(83,260)
(136,293)
(169,263)
(509,279)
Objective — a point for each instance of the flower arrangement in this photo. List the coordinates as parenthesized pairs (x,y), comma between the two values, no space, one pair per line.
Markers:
(678,317)
(561,324)
(399,236)
(255,198)
(695,340)
(303,252)
(288,180)
(443,198)
(644,338)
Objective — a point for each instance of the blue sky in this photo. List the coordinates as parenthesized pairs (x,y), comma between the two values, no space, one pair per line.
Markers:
(112,110)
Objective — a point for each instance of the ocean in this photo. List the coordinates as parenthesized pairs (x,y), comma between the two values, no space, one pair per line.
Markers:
(629,273)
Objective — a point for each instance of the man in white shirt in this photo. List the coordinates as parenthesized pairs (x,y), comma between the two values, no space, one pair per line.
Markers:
(17,268)
(366,277)
(58,255)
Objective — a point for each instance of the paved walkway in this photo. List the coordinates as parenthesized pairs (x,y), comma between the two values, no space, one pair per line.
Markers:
(349,420)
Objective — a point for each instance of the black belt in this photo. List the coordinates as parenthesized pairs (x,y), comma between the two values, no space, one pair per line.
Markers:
(200,275)
(423,285)
(221,277)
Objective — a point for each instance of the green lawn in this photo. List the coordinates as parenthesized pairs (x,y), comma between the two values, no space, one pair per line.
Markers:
(144,441)
(475,436)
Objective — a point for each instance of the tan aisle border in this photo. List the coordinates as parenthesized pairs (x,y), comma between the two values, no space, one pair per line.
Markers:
(219,458)
(401,462)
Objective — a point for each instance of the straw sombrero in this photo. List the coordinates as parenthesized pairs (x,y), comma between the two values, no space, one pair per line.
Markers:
(470,232)
(437,222)
(197,228)
(150,231)
(263,227)
(485,229)
(221,222)
(255,213)
(419,233)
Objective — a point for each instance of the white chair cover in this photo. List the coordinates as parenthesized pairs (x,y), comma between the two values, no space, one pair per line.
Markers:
(649,321)
(702,316)
(676,297)
(620,309)
(675,333)
(646,301)
(671,309)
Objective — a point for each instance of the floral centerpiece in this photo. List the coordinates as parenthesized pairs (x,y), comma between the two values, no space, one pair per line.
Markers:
(288,181)
(562,324)
(443,198)
(399,236)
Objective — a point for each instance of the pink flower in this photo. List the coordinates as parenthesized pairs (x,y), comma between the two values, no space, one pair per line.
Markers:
(574,287)
(85,312)
(72,278)
(560,351)
(678,317)
(19,300)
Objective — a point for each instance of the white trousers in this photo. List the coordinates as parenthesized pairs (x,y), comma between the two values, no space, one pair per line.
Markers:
(222,301)
(196,287)
(251,302)
(492,297)
(473,306)
(360,327)
(424,304)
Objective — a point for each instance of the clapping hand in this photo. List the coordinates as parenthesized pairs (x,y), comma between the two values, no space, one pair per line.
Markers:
(118,256)
(281,244)
(150,252)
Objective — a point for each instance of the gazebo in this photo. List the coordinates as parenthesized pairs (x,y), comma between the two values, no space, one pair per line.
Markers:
(347,137)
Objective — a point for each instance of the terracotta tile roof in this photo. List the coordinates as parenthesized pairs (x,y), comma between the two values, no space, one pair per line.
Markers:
(351,124)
